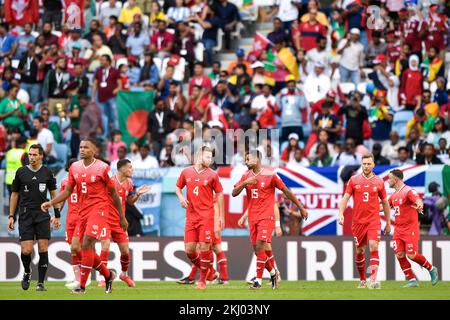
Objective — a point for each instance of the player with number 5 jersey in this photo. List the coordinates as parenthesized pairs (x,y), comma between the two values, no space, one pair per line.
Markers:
(406,203)
(92,179)
(367,190)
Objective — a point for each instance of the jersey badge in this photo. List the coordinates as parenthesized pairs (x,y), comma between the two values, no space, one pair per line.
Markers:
(92,178)
(400,201)
(25,188)
(375,188)
(262,184)
(42,187)
(205,182)
(188,180)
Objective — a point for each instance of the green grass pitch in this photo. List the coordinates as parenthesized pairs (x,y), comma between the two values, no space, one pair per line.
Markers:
(235,290)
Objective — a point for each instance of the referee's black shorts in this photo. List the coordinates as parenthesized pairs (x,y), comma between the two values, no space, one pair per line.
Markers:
(34,224)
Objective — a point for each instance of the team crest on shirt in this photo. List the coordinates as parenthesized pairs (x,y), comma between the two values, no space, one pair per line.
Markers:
(375,188)
(95,227)
(400,201)
(358,186)
(76,176)
(188,180)
(92,178)
(262,184)
(205,182)
(42,187)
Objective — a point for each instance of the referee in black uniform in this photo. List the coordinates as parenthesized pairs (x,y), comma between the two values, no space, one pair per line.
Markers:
(29,189)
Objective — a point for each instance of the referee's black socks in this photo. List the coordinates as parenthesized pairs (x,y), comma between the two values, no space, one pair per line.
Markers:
(26,260)
(43,265)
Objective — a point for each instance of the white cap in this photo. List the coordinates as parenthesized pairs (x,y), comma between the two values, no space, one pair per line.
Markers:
(215,123)
(293,135)
(355,31)
(257,64)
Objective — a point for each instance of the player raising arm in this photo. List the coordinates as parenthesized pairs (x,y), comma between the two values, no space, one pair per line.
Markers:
(260,184)
(406,203)
(367,189)
(92,179)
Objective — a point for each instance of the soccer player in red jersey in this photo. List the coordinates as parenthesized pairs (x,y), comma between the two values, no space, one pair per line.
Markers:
(213,276)
(260,184)
(92,179)
(366,189)
(125,190)
(406,203)
(201,220)
(71,237)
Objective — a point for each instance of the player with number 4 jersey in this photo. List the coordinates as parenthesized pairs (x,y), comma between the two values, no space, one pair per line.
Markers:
(406,203)
(367,190)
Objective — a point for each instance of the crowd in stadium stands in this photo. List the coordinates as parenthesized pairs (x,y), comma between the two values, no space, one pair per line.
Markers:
(364,80)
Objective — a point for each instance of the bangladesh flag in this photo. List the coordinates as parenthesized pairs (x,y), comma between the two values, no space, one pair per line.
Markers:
(133,109)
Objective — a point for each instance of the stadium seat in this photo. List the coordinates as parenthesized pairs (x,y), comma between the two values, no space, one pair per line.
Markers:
(361,87)
(199,49)
(121,61)
(62,151)
(23,96)
(347,87)
(218,47)
(400,120)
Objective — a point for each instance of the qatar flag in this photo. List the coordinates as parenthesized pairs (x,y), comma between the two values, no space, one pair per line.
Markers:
(19,12)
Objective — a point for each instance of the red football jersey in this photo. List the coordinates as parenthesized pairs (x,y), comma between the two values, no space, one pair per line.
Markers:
(201,186)
(92,183)
(366,194)
(410,30)
(261,196)
(403,202)
(124,189)
(72,201)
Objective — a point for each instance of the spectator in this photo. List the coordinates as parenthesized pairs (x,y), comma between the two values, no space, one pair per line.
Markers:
(323,138)
(310,30)
(348,157)
(403,157)
(287,13)
(104,90)
(293,106)
(12,111)
(313,5)
(161,43)
(94,30)
(176,102)
(355,115)
(55,83)
(328,122)
(442,151)
(114,145)
(53,126)
(270,155)
(411,84)
(317,84)
(134,151)
(228,13)
(439,131)
(429,155)
(159,125)
(166,80)
(330,97)
(415,143)
(156,14)
(149,71)
(118,42)
(223,97)
(124,75)
(441,95)
(380,116)
(240,54)
(127,13)
(279,33)
(178,13)
(379,159)
(75,40)
(23,40)
(200,79)
(436,28)
(94,54)
(49,37)
(74,57)
(80,78)
(110,30)
(112,9)
(121,154)
(433,65)
(320,53)
(53,13)
(298,161)
(412,29)
(15,158)
(384,80)
(45,139)
(376,47)
(423,121)
(91,119)
(145,161)
(431,108)
(28,70)
(352,58)
(198,103)
(322,157)
(184,45)
(264,106)
(138,42)
(211,26)
(288,153)
(391,147)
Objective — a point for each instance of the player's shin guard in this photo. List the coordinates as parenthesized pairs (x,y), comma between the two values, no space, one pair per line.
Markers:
(422,261)
(43,266)
(195,258)
(76,266)
(104,257)
(406,267)
(101,267)
(87,262)
(125,262)
(361,266)
(204,265)
(374,263)
(223,266)
(261,259)
(270,260)
(26,260)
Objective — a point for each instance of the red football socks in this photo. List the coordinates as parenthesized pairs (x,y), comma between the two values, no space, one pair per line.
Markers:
(361,266)
(422,261)
(87,262)
(223,266)
(374,263)
(125,262)
(406,268)
(205,265)
(270,260)
(261,259)
(101,267)
(193,272)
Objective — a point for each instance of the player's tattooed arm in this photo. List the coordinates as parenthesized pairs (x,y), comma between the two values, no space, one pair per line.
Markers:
(62,196)
(387,214)
(118,205)
(288,193)
(342,206)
